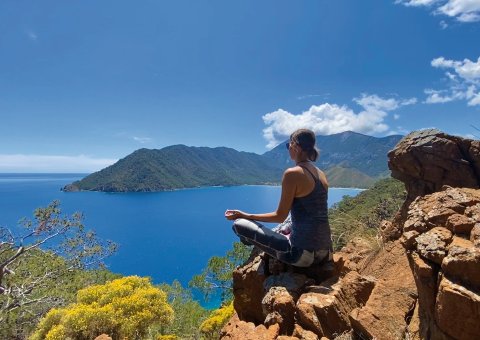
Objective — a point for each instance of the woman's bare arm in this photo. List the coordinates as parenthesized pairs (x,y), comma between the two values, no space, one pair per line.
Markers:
(289,188)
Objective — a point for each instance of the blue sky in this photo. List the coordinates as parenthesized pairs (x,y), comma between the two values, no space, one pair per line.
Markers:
(83,83)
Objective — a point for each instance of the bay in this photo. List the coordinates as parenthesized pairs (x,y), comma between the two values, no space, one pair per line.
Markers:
(163,235)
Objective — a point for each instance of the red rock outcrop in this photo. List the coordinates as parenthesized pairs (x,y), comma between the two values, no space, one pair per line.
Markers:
(423,283)
(238,329)
(387,312)
(429,159)
(326,312)
(445,262)
(248,289)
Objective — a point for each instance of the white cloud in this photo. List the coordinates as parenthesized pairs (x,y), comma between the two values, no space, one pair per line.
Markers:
(48,163)
(32,35)
(399,130)
(374,102)
(435,98)
(142,140)
(466,69)
(461,10)
(443,25)
(468,135)
(396,116)
(464,82)
(410,101)
(307,96)
(416,3)
(474,100)
(325,119)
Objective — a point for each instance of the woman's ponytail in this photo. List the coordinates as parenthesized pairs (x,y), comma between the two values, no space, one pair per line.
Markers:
(306,139)
(313,154)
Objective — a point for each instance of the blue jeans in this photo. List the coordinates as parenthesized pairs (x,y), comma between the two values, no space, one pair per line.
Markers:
(276,244)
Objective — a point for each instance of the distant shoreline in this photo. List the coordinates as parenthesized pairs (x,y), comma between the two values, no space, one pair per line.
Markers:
(202,187)
(26,175)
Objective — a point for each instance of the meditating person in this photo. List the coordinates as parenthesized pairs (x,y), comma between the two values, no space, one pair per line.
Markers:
(304,238)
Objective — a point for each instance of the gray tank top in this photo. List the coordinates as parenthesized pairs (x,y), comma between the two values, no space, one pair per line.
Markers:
(310,228)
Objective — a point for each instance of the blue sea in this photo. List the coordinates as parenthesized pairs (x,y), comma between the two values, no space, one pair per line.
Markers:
(164,235)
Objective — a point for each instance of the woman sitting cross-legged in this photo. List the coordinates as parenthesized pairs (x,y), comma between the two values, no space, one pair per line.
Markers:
(304,238)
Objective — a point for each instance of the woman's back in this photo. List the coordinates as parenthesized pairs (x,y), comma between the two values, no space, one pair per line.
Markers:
(304,196)
(310,228)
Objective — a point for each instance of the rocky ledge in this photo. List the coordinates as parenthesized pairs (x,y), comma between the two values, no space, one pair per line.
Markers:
(423,283)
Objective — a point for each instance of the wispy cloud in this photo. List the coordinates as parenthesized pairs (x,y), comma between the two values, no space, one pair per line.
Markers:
(307,96)
(52,163)
(142,140)
(416,3)
(31,35)
(463,82)
(466,135)
(461,10)
(325,119)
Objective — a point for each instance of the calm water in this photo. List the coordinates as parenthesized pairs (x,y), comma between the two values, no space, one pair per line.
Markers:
(165,235)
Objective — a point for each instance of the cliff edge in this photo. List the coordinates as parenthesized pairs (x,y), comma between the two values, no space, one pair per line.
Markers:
(423,282)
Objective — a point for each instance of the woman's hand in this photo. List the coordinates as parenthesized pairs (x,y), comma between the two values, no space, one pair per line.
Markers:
(234,214)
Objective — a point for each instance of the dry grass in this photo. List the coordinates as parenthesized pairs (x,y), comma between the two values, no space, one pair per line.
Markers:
(345,336)
(346,227)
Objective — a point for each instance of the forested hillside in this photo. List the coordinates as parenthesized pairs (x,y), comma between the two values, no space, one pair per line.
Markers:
(180,166)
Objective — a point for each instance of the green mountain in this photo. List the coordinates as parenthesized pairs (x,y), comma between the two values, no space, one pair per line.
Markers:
(349,178)
(180,166)
(348,150)
(349,159)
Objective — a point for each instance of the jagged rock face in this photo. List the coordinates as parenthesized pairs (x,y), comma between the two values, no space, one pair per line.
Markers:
(327,313)
(441,233)
(248,290)
(238,329)
(353,257)
(387,312)
(427,160)
(374,295)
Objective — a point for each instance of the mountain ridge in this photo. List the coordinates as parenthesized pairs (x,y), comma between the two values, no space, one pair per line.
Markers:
(352,160)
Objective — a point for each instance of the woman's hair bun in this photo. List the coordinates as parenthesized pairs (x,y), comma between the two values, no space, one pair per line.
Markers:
(306,139)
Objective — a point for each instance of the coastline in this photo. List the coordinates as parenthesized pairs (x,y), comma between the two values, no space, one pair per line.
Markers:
(203,187)
(47,176)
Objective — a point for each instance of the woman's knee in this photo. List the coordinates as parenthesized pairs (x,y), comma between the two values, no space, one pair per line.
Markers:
(244,227)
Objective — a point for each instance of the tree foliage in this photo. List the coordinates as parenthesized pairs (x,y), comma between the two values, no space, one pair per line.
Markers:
(124,308)
(360,216)
(188,313)
(211,327)
(217,276)
(41,265)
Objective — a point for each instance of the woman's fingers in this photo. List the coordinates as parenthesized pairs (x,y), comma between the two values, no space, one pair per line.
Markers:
(233,214)
(230,214)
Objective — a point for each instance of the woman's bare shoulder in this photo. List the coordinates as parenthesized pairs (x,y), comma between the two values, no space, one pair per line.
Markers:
(292,173)
(322,177)
(293,170)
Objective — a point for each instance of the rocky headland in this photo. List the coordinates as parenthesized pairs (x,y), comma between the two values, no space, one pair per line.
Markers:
(423,282)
